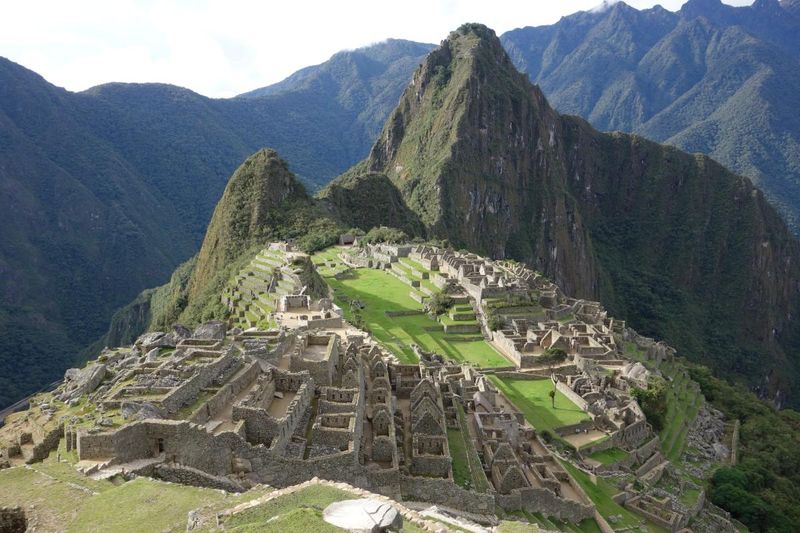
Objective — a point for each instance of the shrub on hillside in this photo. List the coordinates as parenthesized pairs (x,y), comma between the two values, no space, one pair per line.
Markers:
(384,234)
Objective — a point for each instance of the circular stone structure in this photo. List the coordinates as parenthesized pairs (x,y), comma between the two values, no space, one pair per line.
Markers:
(363,515)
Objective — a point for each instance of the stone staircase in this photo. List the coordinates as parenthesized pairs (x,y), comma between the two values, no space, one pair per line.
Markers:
(100,470)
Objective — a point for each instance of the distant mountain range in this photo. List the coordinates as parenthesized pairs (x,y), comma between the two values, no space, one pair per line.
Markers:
(711,78)
(104,192)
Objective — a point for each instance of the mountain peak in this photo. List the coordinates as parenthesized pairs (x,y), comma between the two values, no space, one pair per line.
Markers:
(250,208)
(470,64)
(701,8)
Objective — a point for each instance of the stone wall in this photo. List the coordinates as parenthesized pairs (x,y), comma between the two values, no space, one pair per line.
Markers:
(262,428)
(259,426)
(322,323)
(580,427)
(445,492)
(572,395)
(191,476)
(648,465)
(188,391)
(226,395)
(125,444)
(49,442)
(322,370)
(539,500)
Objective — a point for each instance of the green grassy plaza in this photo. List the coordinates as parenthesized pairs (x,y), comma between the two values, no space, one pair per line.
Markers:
(532,398)
(609,456)
(377,292)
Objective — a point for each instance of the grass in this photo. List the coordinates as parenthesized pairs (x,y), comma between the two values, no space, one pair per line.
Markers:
(458,452)
(689,497)
(480,482)
(609,456)
(144,505)
(63,499)
(379,292)
(532,398)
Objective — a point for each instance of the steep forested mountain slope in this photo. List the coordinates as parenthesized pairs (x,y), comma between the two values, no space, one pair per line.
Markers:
(711,78)
(104,192)
(681,247)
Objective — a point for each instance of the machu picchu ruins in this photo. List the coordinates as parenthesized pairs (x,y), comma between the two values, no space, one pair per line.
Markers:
(292,388)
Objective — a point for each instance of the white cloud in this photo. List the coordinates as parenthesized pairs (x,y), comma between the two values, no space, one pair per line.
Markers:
(223,48)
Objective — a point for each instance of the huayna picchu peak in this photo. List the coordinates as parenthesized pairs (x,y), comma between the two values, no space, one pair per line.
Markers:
(500,319)
(481,159)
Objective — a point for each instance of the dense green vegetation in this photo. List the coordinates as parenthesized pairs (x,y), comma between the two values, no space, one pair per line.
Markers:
(263,202)
(710,78)
(762,489)
(653,401)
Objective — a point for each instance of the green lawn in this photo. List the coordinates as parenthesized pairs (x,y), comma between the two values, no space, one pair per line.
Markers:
(379,292)
(480,482)
(532,398)
(144,505)
(609,456)
(458,452)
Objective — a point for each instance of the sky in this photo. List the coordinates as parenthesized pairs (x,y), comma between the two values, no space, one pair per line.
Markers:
(224,48)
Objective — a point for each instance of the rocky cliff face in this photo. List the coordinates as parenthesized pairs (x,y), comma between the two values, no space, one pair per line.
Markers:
(675,243)
(477,153)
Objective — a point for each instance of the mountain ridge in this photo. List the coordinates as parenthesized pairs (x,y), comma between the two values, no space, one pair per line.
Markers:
(709,78)
(106,191)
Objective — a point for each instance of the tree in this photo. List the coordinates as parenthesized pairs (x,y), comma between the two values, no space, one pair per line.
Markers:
(554,355)
(552,395)
(653,401)
(384,234)
(439,303)
(494,321)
